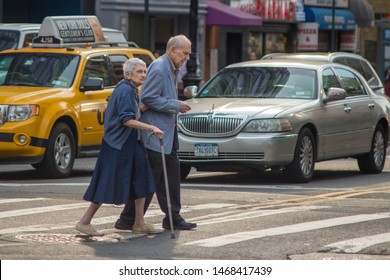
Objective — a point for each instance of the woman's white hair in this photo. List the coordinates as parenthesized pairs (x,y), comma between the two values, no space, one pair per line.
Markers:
(130,64)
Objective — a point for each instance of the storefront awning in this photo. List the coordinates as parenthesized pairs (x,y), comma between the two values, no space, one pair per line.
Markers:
(221,14)
(364,14)
(344,19)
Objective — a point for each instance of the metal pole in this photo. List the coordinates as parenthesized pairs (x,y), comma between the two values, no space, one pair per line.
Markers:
(146,25)
(192,77)
(333,35)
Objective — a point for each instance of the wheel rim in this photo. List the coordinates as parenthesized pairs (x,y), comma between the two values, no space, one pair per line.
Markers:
(306,156)
(62,151)
(379,148)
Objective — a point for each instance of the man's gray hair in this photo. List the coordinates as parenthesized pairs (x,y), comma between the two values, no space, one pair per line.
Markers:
(177,41)
(130,64)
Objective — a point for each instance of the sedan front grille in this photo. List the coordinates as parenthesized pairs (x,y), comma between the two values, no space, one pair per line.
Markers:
(210,124)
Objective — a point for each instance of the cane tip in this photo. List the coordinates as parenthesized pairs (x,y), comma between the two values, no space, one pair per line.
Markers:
(173,236)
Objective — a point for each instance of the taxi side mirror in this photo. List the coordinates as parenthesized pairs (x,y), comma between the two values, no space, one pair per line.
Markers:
(92,84)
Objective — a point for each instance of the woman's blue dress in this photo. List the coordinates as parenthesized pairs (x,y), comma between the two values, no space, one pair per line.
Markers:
(122,174)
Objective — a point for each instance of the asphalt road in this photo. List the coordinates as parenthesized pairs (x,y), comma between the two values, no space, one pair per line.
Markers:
(341,214)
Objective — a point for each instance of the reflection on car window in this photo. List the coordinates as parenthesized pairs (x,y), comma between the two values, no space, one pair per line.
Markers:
(9,39)
(329,80)
(262,82)
(38,69)
(350,82)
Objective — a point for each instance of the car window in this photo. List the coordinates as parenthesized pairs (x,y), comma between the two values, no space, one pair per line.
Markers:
(38,69)
(144,57)
(371,76)
(9,39)
(355,64)
(117,62)
(350,82)
(262,82)
(329,80)
(28,39)
(97,67)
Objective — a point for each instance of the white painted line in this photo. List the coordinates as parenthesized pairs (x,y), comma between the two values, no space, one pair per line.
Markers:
(14,200)
(258,213)
(256,187)
(250,235)
(96,221)
(38,210)
(357,244)
(43,184)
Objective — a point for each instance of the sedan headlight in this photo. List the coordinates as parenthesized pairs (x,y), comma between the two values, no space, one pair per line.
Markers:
(17,113)
(268,125)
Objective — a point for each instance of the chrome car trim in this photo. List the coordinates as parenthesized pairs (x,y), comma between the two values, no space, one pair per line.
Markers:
(206,124)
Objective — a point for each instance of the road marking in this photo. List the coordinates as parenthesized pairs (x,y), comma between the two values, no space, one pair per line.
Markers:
(357,244)
(95,221)
(38,210)
(313,199)
(44,184)
(302,227)
(14,200)
(237,216)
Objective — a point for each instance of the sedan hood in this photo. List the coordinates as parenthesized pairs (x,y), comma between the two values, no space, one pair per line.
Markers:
(267,107)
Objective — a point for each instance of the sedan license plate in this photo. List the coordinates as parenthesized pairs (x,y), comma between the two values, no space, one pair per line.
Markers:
(206,150)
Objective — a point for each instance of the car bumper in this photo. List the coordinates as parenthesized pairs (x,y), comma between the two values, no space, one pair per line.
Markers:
(255,149)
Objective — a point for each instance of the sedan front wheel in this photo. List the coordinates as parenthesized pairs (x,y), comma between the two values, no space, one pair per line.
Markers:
(301,170)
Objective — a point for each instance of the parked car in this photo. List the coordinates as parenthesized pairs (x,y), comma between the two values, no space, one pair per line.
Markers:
(19,35)
(357,62)
(284,115)
(53,96)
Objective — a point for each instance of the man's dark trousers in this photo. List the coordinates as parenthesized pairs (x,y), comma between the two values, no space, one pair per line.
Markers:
(173,170)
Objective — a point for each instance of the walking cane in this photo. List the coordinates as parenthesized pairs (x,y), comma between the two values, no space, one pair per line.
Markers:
(167,189)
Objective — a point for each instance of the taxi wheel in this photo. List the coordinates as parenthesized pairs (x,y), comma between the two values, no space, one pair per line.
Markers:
(60,153)
(184,170)
(301,169)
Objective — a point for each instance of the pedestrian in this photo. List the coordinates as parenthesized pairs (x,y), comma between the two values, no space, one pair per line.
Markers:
(159,95)
(122,173)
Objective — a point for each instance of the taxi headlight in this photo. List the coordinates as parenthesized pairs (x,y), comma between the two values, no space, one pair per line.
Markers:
(17,113)
(268,125)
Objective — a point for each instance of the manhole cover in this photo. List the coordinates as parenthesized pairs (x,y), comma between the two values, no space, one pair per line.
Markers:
(57,238)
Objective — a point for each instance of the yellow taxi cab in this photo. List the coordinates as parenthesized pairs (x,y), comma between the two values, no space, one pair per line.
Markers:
(53,95)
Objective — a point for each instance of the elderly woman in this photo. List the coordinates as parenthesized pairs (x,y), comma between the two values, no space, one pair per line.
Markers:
(122,171)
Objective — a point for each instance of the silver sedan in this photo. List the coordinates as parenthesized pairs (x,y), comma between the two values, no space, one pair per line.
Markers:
(284,115)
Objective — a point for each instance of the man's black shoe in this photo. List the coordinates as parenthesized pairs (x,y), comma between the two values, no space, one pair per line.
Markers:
(183,225)
(122,225)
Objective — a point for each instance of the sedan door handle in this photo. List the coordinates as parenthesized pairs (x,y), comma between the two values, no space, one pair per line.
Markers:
(347,109)
(371,105)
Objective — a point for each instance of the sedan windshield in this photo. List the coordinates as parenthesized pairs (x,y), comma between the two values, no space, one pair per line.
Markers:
(262,82)
(38,69)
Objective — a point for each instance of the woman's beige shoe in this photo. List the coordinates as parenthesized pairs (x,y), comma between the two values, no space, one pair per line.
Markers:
(88,230)
(146,228)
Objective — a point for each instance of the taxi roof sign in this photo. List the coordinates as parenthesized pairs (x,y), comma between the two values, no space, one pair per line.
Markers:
(57,31)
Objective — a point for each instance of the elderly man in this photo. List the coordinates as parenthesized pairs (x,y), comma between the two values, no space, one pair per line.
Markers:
(161,106)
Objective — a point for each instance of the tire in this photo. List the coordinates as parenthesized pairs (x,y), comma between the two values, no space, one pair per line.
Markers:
(60,153)
(374,161)
(301,169)
(184,170)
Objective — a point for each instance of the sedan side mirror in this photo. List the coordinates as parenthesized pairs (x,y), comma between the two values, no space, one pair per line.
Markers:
(335,94)
(190,91)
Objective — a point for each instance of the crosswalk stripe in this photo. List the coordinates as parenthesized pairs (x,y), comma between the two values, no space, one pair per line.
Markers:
(38,210)
(15,200)
(95,221)
(357,244)
(295,228)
